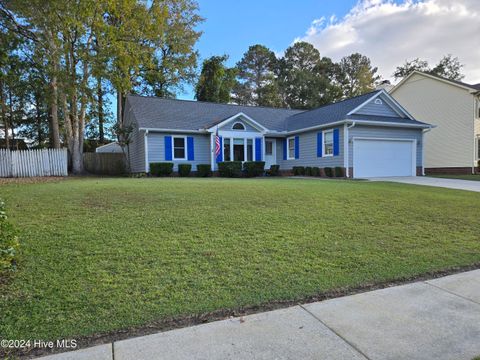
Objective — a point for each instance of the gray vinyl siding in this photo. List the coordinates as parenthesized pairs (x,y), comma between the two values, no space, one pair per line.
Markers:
(156,149)
(228,126)
(385,132)
(136,147)
(308,152)
(383,109)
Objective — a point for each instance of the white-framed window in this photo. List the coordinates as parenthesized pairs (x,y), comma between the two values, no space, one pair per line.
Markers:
(291,148)
(269,147)
(238,126)
(179,150)
(328,143)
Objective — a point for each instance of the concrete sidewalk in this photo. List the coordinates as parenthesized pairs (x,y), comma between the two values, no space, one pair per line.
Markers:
(458,184)
(436,319)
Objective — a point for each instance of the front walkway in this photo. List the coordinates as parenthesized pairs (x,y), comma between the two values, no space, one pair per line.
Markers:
(435,319)
(431,181)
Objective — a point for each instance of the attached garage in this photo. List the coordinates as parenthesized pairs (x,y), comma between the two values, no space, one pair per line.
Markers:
(375,157)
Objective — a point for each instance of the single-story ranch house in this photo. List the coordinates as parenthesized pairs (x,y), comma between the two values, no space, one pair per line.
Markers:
(370,135)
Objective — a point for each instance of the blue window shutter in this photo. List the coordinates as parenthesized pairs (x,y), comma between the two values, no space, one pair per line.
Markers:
(258,149)
(190,149)
(297,147)
(319,144)
(168,148)
(220,155)
(336,142)
(284,149)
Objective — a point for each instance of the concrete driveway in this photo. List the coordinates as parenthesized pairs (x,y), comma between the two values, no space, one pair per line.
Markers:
(431,181)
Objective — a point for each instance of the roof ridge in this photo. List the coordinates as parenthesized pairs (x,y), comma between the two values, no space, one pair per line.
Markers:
(339,102)
(458,82)
(215,103)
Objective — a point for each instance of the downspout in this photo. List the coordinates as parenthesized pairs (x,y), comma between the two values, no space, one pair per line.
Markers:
(147,165)
(423,149)
(346,146)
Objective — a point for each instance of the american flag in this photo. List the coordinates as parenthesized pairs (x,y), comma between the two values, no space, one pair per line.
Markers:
(217,144)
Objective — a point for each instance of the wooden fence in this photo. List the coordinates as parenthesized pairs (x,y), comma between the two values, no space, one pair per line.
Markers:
(104,163)
(30,163)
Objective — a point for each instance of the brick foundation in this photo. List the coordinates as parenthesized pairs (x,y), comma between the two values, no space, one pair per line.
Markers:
(448,171)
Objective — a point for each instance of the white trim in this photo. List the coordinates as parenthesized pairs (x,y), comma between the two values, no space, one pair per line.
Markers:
(184,147)
(212,151)
(240,114)
(238,122)
(423,150)
(414,149)
(324,154)
(288,148)
(145,143)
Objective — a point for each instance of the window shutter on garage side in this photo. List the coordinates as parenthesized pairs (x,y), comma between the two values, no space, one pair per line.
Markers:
(336,142)
(168,148)
(297,147)
(258,149)
(284,149)
(319,144)
(190,149)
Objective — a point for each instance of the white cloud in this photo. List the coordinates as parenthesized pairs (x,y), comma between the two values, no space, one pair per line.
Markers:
(390,33)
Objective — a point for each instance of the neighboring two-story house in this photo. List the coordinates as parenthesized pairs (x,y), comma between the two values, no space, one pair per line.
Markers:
(453,146)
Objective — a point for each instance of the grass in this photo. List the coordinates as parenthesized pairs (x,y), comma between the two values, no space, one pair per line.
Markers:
(472,177)
(105,254)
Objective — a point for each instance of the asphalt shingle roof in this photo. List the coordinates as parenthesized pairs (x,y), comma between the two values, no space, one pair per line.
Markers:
(161,113)
(153,112)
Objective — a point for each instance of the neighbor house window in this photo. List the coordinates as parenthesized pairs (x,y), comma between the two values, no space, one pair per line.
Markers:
(328,143)
(179,148)
(226,149)
(238,126)
(238,150)
(291,148)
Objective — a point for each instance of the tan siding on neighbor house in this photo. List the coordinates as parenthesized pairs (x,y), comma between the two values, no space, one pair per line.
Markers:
(448,107)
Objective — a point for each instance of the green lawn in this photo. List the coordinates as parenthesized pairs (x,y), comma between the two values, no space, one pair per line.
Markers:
(107,254)
(461,177)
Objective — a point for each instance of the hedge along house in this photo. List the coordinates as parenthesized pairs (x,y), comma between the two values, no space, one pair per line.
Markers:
(370,135)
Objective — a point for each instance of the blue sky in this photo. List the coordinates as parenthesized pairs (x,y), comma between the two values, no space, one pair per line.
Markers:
(230,27)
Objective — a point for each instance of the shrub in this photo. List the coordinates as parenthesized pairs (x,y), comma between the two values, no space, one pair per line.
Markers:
(308,171)
(204,170)
(230,168)
(338,171)
(315,171)
(184,169)
(274,170)
(298,170)
(328,171)
(254,168)
(8,242)
(161,169)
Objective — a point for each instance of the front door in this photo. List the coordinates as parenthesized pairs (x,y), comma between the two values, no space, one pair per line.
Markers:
(270,153)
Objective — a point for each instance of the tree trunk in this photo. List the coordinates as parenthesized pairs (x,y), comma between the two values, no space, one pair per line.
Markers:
(12,128)
(3,109)
(120,98)
(101,131)
(54,127)
(39,120)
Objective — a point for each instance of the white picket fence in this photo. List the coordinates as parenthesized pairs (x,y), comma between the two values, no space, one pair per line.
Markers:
(29,163)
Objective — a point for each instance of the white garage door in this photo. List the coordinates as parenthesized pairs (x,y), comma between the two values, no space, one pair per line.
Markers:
(378,158)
